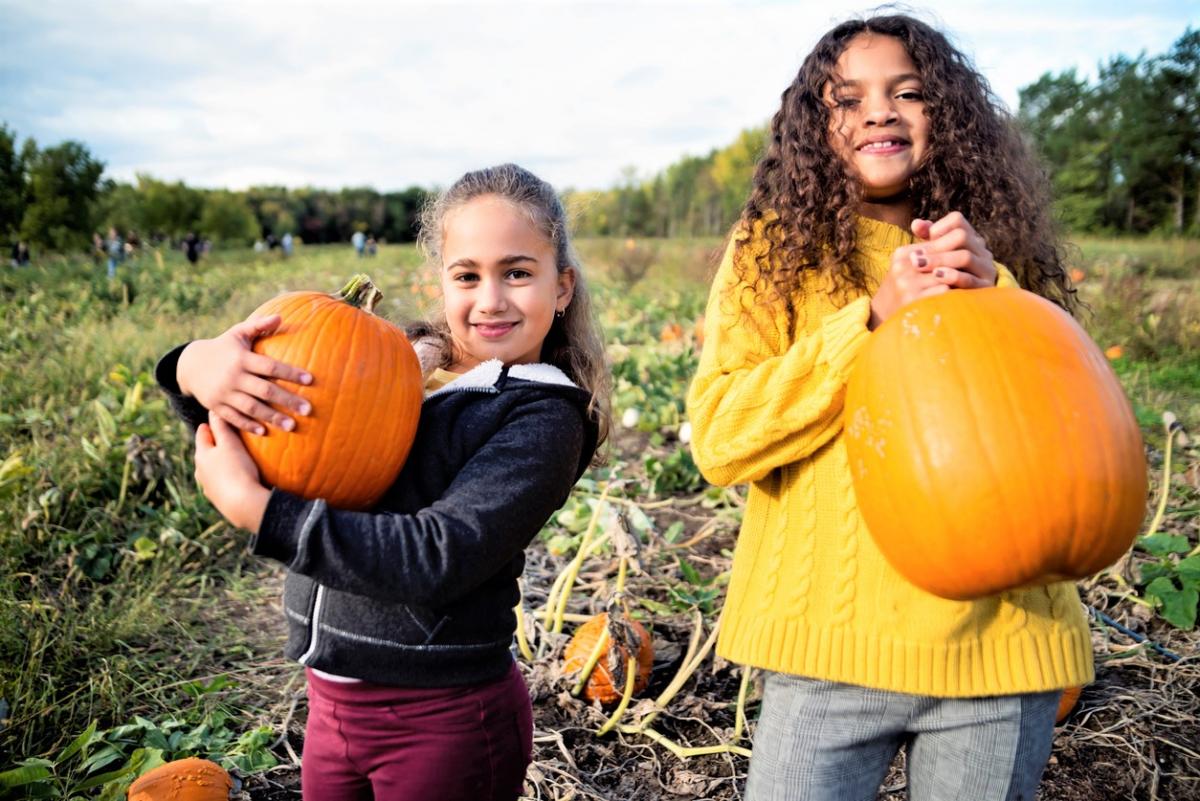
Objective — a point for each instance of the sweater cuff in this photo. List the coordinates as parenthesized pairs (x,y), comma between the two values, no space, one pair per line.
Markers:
(844,332)
(165,371)
(279,533)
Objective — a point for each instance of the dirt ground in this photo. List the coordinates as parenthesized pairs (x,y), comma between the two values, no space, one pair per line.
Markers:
(1134,733)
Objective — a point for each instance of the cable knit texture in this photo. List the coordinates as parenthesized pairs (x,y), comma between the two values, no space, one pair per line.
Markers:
(810,592)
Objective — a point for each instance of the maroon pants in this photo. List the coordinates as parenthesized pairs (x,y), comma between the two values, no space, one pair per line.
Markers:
(368,741)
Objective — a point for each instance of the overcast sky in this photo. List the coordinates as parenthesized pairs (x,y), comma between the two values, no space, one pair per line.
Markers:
(390,95)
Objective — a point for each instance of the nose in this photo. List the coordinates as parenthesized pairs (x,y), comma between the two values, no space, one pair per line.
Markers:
(491,297)
(880,111)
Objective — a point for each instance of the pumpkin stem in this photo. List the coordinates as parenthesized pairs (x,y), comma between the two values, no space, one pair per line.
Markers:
(361,293)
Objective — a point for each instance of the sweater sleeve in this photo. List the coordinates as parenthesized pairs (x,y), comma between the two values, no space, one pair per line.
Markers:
(757,403)
(490,512)
(188,408)
(1004,277)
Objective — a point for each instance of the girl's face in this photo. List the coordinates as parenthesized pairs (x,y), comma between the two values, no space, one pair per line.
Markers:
(500,282)
(877,114)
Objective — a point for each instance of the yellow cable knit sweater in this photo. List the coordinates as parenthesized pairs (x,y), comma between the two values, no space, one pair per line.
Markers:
(810,593)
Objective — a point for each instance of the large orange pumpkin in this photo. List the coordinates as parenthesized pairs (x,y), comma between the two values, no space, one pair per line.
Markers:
(607,681)
(366,397)
(188,779)
(991,445)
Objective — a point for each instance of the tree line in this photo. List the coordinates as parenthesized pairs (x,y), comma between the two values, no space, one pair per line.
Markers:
(1122,151)
(55,199)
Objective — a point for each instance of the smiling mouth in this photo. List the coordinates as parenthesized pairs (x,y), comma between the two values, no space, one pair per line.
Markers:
(493,330)
(883,146)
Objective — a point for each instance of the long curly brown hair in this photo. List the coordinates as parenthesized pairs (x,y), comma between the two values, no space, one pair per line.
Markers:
(976,163)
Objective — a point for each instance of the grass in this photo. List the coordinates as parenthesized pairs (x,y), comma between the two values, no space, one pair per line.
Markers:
(111,563)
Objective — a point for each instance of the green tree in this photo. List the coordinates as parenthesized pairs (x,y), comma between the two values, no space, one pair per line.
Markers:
(227,219)
(1123,151)
(168,209)
(12,184)
(119,206)
(64,181)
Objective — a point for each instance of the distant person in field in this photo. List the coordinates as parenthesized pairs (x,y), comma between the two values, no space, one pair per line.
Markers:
(359,240)
(286,243)
(20,254)
(98,251)
(403,614)
(891,174)
(192,247)
(114,248)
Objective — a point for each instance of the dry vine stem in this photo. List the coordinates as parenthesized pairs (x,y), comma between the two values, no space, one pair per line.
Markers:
(691,662)
(522,640)
(1117,571)
(560,593)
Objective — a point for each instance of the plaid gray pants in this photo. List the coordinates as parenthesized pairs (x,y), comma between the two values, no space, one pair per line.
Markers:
(823,741)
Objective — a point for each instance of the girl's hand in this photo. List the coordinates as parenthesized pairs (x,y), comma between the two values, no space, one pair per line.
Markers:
(957,255)
(909,278)
(230,379)
(228,476)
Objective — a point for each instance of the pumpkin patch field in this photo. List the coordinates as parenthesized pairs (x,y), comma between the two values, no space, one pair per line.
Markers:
(136,630)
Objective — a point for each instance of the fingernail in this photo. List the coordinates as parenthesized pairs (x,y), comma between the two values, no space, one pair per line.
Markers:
(260,430)
(305,378)
(939,273)
(305,408)
(919,252)
(922,261)
(288,424)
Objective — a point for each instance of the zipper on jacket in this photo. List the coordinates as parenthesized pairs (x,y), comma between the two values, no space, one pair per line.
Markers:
(315,623)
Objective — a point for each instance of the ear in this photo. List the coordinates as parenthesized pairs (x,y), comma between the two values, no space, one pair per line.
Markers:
(566,288)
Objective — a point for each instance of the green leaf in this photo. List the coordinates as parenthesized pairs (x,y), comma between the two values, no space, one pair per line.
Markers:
(1163,544)
(122,772)
(673,532)
(1153,570)
(80,742)
(657,607)
(1178,606)
(144,549)
(1189,571)
(34,770)
(105,756)
(107,425)
(690,574)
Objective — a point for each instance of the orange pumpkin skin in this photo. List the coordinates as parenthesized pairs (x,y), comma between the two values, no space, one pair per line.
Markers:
(1066,703)
(991,446)
(600,685)
(366,398)
(188,779)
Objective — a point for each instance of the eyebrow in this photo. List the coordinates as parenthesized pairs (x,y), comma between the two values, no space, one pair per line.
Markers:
(506,261)
(907,76)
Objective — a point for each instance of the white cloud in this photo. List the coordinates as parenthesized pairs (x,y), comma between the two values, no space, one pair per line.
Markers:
(390,95)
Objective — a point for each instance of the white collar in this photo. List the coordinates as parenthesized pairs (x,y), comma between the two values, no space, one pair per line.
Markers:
(485,375)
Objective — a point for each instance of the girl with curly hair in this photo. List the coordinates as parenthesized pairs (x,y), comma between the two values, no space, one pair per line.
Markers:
(892,174)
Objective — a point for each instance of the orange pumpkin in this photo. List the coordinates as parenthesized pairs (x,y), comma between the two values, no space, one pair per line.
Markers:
(188,779)
(366,397)
(698,331)
(607,680)
(671,332)
(1066,703)
(991,445)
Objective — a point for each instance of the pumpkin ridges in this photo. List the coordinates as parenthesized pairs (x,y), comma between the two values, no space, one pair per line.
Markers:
(999,479)
(353,434)
(309,460)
